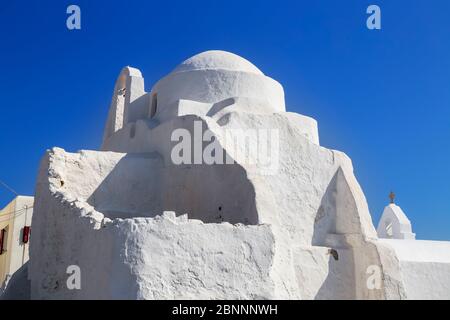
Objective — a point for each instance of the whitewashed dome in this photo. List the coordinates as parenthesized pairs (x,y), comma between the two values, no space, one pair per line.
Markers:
(213,76)
(217,60)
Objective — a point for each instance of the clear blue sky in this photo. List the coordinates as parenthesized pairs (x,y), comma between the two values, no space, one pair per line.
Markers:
(383,97)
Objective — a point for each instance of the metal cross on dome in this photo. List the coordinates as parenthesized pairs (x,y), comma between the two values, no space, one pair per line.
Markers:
(392,197)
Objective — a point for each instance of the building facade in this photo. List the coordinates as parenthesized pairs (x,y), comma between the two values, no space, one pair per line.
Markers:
(15,228)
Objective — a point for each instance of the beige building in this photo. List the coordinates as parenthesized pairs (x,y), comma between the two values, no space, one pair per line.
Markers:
(15,228)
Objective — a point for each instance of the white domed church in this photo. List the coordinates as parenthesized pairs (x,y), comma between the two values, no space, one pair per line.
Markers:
(149,216)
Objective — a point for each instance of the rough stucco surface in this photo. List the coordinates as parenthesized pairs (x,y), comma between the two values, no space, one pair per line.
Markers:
(138,258)
(141,227)
(218,261)
(424,266)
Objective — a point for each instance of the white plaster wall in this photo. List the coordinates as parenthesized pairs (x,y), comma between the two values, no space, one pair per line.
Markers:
(174,259)
(299,200)
(142,185)
(126,182)
(138,258)
(321,276)
(300,158)
(424,267)
(426,280)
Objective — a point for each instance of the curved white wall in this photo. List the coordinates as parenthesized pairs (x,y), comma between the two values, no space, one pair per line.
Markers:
(211,86)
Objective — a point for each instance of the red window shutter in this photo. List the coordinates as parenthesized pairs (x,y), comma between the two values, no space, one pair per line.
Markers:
(26,234)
